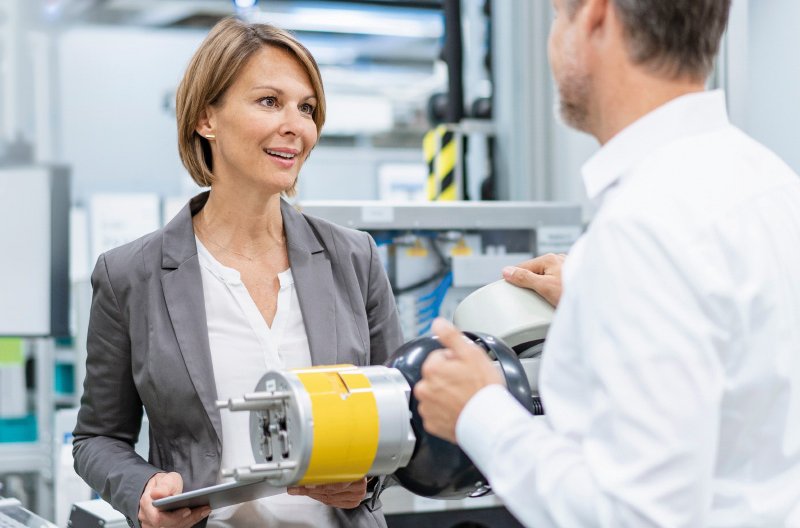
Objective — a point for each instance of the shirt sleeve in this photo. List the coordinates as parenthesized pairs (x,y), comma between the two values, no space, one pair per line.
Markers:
(642,325)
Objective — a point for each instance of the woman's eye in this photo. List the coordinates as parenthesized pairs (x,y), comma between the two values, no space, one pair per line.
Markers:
(307,108)
(268,101)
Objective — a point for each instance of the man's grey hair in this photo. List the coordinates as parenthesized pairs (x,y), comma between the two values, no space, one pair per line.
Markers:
(677,38)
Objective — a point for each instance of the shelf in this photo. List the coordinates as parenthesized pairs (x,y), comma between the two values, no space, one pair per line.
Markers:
(25,457)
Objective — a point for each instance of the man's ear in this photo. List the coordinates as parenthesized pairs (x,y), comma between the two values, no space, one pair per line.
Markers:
(593,17)
(206,123)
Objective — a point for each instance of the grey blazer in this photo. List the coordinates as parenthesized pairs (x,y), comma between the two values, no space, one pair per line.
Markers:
(148,349)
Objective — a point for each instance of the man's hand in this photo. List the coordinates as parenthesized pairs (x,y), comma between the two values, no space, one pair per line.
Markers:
(345,495)
(450,377)
(163,485)
(542,275)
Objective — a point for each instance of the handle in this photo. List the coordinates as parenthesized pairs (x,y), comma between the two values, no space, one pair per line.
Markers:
(516,380)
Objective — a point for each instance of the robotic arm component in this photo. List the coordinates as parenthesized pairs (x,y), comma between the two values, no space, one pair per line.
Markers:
(439,469)
(326,424)
(341,423)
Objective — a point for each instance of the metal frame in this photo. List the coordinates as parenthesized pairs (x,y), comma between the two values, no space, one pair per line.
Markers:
(9,39)
(374,215)
(731,69)
(522,100)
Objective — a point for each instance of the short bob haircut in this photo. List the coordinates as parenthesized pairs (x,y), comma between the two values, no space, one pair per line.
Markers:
(214,68)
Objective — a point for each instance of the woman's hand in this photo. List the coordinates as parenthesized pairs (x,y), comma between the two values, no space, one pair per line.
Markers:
(163,485)
(345,495)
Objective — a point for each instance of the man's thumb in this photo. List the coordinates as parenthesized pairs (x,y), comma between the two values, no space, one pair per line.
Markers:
(447,334)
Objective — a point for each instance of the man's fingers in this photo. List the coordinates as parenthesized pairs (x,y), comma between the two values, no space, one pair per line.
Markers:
(544,264)
(548,286)
(420,390)
(525,278)
(537,265)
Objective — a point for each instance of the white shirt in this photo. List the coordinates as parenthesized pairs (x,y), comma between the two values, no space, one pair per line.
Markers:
(243,348)
(671,372)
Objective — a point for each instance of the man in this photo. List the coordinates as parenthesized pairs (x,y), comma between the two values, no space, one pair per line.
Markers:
(671,374)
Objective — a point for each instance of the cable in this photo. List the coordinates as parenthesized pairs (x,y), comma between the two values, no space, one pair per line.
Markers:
(530,349)
(538,407)
(430,311)
(443,270)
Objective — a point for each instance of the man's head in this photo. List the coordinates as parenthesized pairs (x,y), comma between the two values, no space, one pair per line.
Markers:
(672,41)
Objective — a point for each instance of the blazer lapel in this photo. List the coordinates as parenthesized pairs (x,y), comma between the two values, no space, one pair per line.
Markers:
(313,278)
(183,293)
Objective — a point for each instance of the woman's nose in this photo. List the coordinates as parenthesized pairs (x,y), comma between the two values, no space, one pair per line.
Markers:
(291,121)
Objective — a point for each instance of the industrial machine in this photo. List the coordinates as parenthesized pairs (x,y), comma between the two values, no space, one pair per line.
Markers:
(340,423)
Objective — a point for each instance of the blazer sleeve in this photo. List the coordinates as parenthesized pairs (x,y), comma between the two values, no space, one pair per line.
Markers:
(385,334)
(110,415)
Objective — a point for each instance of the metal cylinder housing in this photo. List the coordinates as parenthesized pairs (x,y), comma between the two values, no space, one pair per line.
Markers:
(327,424)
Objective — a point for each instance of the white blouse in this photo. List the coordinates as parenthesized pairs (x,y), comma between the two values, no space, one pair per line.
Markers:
(243,347)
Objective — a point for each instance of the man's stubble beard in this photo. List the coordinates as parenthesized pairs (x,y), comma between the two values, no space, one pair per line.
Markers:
(574,91)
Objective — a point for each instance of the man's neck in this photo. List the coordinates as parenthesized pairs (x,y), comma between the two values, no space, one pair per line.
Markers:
(626,100)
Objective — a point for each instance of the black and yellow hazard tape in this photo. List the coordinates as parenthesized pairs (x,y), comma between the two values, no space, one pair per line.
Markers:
(441,154)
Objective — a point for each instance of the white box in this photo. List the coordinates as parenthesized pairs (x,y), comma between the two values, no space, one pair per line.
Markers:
(34,251)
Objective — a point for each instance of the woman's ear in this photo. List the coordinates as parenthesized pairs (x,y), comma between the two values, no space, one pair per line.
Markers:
(206,124)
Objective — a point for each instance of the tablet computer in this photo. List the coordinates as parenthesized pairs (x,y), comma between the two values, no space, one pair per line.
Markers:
(218,496)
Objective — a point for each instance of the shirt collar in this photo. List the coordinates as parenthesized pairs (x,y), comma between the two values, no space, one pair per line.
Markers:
(684,116)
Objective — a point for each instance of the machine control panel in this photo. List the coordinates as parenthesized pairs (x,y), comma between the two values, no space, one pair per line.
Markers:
(14,515)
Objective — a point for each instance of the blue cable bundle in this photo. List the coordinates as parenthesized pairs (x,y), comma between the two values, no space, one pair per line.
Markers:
(432,303)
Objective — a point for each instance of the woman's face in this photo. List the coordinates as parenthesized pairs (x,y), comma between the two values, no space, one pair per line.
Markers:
(263,126)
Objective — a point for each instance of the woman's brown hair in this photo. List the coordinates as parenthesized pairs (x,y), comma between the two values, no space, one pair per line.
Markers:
(213,69)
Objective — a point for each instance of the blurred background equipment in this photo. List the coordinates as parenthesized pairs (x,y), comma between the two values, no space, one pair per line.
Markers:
(34,304)
(438,253)
(14,515)
(95,514)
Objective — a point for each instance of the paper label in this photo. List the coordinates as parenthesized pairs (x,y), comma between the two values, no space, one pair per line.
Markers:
(556,239)
(377,214)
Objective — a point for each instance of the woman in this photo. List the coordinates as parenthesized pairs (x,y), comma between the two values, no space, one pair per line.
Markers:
(236,284)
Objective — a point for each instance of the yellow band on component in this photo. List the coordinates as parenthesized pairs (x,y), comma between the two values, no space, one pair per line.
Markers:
(346,431)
